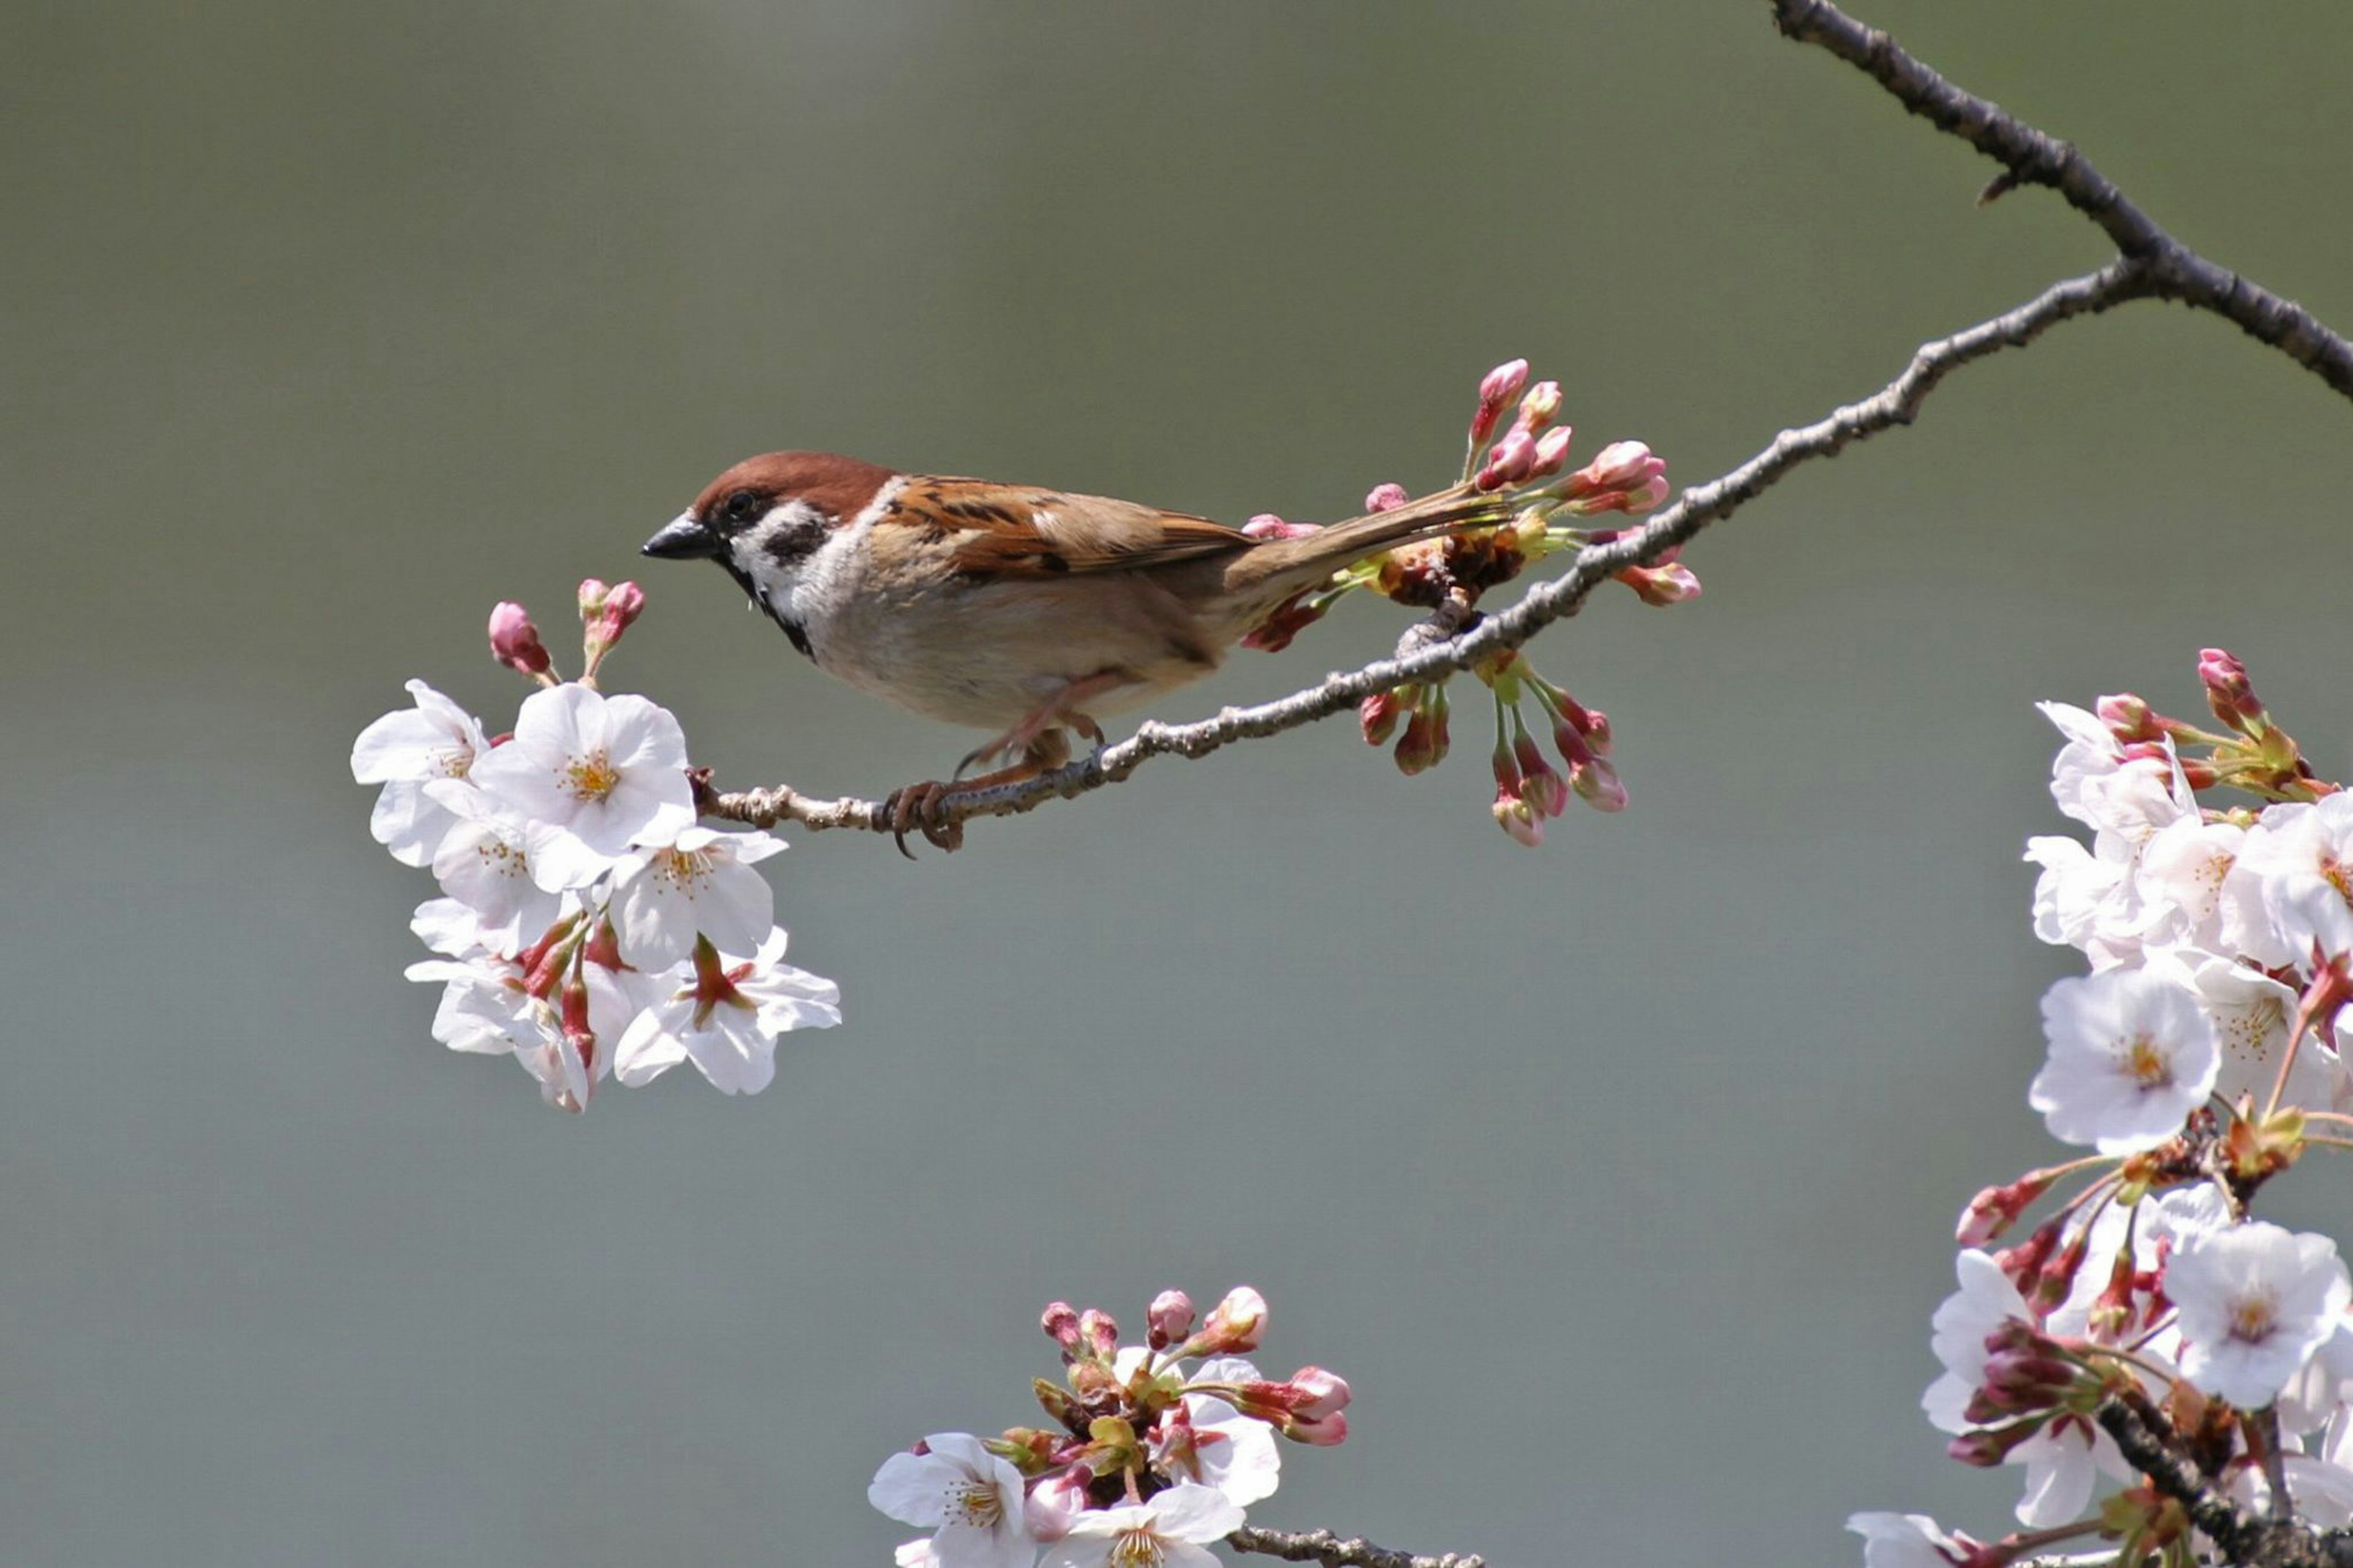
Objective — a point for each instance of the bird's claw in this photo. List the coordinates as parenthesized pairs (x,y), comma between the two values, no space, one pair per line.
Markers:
(918,808)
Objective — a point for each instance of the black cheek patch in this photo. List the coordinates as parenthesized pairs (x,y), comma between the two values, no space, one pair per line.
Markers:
(788,545)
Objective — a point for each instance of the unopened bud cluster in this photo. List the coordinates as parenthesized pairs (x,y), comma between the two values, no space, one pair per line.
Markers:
(2201,1056)
(589,926)
(1150,1449)
(1515,449)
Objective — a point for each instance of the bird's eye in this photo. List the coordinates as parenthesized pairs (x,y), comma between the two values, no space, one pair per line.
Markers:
(741,507)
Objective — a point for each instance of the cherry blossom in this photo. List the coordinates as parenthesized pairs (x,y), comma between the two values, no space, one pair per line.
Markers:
(702,882)
(592,773)
(1208,1440)
(404,750)
(2255,1302)
(2130,1055)
(970,1497)
(484,862)
(724,1015)
(1905,1540)
(1171,1531)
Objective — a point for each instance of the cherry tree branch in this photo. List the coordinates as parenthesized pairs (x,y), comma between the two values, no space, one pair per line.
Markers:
(2241,1536)
(2029,157)
(2151,264)
(1323,1546)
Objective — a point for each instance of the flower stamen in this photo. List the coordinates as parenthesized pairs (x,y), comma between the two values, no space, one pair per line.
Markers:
(592,777)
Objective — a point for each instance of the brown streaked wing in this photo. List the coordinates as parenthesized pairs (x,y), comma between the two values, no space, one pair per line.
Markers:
(1014,531)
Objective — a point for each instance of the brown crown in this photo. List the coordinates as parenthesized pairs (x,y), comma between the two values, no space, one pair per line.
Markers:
(838,487)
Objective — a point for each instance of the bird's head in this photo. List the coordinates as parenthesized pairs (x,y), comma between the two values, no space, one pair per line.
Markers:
(764,518)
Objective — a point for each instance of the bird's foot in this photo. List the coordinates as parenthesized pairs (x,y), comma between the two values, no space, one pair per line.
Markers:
(924,806)
(918,806)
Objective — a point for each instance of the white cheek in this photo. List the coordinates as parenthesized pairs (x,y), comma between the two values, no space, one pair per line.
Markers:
(827,576)
(776,578)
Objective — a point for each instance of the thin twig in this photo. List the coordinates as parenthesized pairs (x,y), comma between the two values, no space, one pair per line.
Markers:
(2030,157)
(1323,1546)
(2151,265)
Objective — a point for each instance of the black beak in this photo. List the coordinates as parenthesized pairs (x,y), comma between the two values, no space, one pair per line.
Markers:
(683,537)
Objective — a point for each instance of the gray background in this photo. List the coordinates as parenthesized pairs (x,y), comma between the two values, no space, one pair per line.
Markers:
(1616,1176)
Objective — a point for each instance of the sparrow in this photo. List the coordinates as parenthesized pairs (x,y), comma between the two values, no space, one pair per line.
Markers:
(1024,610)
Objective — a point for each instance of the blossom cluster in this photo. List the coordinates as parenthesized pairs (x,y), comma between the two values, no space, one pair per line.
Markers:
(1523,460)
(1155,1451)
(2199,1055)
(588,926)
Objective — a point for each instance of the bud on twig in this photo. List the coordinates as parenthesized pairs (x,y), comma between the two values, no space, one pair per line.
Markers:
(1499,386)
(1170,1317)
(514,642)
(1235,1325)
(1100,1333)
(1995,1209)
(2229,693)
(2130,718)
(1061,1321)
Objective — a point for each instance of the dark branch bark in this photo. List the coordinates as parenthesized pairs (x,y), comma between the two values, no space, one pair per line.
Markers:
(2243,1537)
(2030,157)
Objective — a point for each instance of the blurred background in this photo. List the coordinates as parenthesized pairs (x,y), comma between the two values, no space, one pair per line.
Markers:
(1617,1176)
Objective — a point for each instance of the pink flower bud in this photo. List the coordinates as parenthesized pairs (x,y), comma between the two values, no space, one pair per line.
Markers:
(1990,1449)
(1539,409)
(1319,1431)
(1100,1331)
(1266,525)
(1385,497)
(1619,465)
(1509,461)
(1661,585)
(1377,716)
(1544,789)
(1522,822)
(2015,1381)
(1597,783)
(1285,622)
(2229,693)
(1235,1325)
(1170,1317)
(1552,452)
(1498,387)
(2053,1286)
(1995,1209)
(1425,742)
(1623,477)
(1061,1321)
(1055,1502)
(514,641)
(1598,733)
(2129,718)
(621,607)
(2023,1262)
(592,598)
(1320,1392)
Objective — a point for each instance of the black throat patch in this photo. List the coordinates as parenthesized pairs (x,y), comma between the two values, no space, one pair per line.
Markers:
(793,631)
